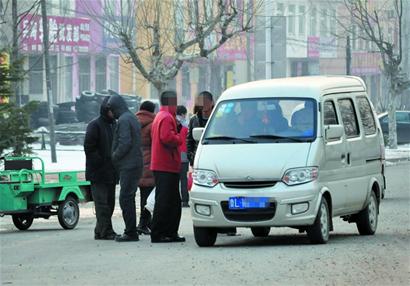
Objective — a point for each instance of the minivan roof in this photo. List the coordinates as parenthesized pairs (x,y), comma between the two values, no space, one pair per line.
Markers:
(307,86)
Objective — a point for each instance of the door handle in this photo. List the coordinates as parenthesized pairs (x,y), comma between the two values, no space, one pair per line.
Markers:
(348,158)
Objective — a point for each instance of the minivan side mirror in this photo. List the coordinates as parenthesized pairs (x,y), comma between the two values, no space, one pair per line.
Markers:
(333,132)
(197,133)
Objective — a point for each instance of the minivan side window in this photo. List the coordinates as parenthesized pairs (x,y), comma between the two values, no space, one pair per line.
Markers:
(366,114)
(329,114)
(349,117)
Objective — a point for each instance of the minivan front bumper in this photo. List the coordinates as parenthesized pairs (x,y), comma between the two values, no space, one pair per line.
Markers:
(209,206)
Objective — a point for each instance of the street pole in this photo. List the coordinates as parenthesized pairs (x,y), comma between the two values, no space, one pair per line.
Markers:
(348,56)
(248,46)
(268,40)
(15,51)
(48,82)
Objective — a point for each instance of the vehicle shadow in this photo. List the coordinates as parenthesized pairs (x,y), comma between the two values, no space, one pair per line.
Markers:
(285,240)
(34,230)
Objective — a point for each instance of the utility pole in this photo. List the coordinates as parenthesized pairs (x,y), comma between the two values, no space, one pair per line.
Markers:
(248,46)
(348,56)
(268,40)
(15,51)
(48,82)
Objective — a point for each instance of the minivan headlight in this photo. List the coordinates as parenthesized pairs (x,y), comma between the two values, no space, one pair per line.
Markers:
(300,175)
(205,178)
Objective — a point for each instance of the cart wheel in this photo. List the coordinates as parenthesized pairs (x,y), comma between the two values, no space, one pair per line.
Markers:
(68,213)
(23,221)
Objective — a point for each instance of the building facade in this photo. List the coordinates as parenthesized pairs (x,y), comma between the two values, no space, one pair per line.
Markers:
(82,55)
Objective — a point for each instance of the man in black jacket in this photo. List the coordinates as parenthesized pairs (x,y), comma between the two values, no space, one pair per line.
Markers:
(100,170)
(204,104)
(127,160)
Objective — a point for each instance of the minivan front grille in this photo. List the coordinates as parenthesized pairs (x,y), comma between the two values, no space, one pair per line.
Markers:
(250,184)
(252,214)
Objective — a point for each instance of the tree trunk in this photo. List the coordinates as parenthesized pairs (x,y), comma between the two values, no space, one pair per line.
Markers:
(392,120)
(159,87)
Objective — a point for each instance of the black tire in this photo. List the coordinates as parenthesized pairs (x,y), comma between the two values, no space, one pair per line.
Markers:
(367,219)
(260,231)
(23,221)
(205,236)
(68,213)
(318,233)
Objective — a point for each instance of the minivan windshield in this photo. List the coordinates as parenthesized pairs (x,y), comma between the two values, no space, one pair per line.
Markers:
(262,120)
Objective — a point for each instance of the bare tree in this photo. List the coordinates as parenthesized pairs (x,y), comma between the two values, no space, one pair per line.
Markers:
(159,36)
(374,20)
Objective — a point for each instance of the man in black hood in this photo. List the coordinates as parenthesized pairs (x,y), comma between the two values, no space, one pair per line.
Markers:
(100,170)
(127,160)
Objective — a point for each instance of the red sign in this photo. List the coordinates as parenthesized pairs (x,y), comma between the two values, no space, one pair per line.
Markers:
(67,35)
(313,47)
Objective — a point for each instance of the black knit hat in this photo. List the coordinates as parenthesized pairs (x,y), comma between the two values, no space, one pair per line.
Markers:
(148,106)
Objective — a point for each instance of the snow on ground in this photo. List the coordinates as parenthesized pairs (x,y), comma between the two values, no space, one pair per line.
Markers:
(69,158)
(73,158)
(402,153)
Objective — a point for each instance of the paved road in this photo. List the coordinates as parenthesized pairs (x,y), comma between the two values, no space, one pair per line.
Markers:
(48,255)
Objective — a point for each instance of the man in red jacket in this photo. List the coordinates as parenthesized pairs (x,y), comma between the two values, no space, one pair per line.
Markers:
(166,165)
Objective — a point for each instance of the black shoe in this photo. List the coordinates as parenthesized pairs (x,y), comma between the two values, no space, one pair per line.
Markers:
(110,236)
(178,239)
(143,230)
(185,205)
(125,237)
(163,239)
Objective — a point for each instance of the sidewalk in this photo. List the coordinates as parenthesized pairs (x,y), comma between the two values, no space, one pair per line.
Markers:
(401,154)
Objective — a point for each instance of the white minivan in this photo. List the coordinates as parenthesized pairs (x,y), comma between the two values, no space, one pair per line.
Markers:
(292,152)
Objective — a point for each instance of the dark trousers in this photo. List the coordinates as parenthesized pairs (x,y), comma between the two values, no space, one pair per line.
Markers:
(129,183)
(104,201)
(145,215)
(184,182)
(167,209)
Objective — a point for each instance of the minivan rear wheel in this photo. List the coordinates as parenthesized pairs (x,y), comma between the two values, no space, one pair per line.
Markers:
(367,219)
(318,233)
(205,236)
(260,231)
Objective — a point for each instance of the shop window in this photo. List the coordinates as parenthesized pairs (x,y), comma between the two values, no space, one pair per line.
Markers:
(84,73)
(69,77)
(100,73)
(291,19)
(35,74)
(302,22)
(313,21)
(114,68)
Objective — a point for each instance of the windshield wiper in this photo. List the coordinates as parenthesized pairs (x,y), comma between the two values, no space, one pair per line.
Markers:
(273,136)
(229,138)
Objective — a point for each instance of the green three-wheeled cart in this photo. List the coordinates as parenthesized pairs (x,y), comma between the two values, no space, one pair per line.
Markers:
(27,193)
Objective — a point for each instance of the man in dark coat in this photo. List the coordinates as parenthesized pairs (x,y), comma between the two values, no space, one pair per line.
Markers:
(146,184)
(204,104)
(127,159)
(166,165)
(100,170)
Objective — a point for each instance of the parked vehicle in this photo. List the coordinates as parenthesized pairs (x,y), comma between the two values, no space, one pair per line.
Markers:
(403,126)
(292,152)
(26,193)
(87,105)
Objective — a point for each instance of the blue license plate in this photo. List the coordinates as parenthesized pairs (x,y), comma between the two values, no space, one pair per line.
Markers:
(240,203)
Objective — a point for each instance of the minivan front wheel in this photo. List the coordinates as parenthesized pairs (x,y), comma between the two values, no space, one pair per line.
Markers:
(318,233)
(205,236)
(367,219)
